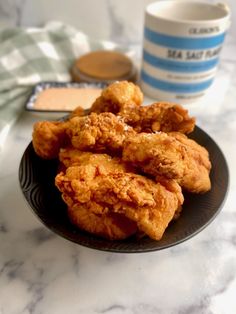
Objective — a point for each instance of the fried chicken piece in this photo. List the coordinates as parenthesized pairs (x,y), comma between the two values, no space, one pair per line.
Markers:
(48,138)
(78,112)
(96,219)
(70,156)
(98,132)
(173,156)
(117,95)
(155,154)
(125,99)
(153,220)
(111,226)
(149,204)
(197,165)
(160,116)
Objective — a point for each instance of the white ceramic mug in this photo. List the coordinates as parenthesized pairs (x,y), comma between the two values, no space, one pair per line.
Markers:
(181,47)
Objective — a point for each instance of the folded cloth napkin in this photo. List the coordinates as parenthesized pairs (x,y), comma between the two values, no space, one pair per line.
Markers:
(32,55)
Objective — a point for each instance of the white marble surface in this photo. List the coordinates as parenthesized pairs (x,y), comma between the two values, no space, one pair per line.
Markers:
(41,273)
(120,21)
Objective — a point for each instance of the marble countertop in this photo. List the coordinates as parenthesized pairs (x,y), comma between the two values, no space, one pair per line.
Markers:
(41,272)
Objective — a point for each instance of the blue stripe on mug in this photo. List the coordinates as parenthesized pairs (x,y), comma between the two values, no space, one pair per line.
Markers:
(175,87)
(179,66)
(183,42)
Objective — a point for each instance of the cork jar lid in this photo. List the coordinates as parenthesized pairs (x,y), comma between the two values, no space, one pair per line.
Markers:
(103,65)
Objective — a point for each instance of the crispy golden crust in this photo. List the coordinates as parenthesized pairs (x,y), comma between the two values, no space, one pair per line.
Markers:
(98,132)
(48,138)
(95,132)
(197,165)
(160,116)
(112,226)
(70,156)
(117,95)
(77,112)
(125,99)
(155,154)
(149,204)
(173,156)
(86,216)
(153,220)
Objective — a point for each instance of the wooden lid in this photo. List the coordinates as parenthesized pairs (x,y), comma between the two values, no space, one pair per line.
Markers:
(104,65)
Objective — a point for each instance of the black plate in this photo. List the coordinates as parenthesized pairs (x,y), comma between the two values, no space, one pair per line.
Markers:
(37,183)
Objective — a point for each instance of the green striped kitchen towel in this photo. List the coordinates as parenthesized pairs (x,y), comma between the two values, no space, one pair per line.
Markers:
(32,55)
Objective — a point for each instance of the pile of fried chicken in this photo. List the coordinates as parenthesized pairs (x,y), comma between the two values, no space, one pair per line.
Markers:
(123,165)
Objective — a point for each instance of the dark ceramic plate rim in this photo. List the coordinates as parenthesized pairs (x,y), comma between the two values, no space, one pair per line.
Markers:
(38,88)
(124,246)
